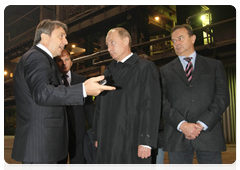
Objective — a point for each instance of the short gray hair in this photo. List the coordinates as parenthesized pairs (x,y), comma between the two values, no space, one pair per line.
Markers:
(122,32)
(47,26)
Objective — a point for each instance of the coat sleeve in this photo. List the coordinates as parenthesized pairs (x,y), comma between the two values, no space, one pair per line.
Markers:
(170,114)
(89,110)
(96,118)
(220,99)
(150,106)
(39,78)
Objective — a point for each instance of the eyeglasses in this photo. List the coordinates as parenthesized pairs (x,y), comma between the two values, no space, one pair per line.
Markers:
(180,38)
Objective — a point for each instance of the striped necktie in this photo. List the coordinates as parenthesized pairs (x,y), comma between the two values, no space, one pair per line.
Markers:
(65,81)
(189,69)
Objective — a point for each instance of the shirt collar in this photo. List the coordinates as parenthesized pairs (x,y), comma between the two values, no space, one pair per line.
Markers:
(127,57)
(39,45)
(184,62)
(68,74)
(69,78)
(193,55)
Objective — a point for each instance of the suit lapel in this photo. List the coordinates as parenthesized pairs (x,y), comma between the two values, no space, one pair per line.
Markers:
(74,79)
(199,66)
(178,69)
(52,63)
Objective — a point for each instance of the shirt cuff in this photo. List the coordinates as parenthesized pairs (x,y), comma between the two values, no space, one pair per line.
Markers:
(178,127)
(146,146)
(205,127)
(84,91)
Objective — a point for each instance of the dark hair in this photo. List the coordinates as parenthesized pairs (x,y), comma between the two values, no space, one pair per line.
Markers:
(68,54)
(186,26)
(55,58)
(123,33)
(47,26)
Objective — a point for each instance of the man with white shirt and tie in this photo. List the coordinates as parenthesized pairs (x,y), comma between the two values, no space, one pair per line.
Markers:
(41,130)
(195,95)
(126,122)
(76,114)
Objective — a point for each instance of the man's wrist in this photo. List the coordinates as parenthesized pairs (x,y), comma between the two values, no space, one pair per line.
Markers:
(178,127)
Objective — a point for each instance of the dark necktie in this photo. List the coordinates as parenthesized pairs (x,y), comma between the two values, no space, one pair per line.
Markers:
(189,69)
(65,81)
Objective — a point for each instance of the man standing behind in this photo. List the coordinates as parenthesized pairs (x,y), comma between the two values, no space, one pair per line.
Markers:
(41,131)
(127,119)
(195,95)
(76,114)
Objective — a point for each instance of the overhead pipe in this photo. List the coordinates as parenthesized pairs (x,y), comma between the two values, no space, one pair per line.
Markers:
(105,52)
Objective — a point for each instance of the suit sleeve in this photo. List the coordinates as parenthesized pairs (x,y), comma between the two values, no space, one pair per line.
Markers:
(40,80)
(220,100)
(150,106)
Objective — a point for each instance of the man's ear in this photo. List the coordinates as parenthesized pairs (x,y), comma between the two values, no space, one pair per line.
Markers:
(193,38)
(126,41)
(44,38)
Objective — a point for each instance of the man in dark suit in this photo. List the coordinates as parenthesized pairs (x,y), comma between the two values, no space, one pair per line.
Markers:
(193,103)
(76,114)
(41,129)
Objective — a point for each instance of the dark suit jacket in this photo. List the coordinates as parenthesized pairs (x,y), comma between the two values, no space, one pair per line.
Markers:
(204,99)
(41,129)
(78,114)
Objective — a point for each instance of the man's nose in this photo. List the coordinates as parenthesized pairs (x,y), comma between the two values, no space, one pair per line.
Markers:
(109,48)
(65,41)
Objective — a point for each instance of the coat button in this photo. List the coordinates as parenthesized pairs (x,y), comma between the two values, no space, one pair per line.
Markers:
(141,135)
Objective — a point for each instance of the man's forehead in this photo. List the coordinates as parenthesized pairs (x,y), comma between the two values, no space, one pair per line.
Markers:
(60,30)
(64,53)
(180,31)
(111,34)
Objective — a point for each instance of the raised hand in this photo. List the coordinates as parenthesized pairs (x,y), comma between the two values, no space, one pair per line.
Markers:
(93,88)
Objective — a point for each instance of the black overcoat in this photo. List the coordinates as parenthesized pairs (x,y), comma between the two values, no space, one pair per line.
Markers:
(128,116)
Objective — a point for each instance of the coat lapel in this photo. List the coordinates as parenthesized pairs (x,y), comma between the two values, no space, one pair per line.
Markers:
(53,64)
(199,66)
(73,79)
(178,69)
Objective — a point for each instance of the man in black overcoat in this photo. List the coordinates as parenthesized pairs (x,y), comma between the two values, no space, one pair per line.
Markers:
(41,130)
(195,95)
(126,121)
(77,115)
